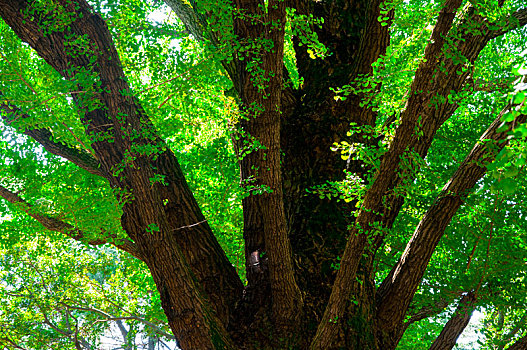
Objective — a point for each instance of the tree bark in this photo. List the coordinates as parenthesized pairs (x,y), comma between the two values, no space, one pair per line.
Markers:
(397,290)
(197,284)
(311,124)
(456,324)
(327,336)
(520,344)
(299,288)
(12,114)
(268,250)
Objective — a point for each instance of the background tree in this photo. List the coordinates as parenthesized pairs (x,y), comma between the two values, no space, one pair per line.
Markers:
(345,120)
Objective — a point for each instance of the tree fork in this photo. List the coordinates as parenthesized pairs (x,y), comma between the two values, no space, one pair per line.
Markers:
(147,208)
(397,290)
(327,336)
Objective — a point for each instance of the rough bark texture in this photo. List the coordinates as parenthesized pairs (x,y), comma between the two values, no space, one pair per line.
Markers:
(520,344)
(328,331)
(294,297)
(318,227)
(197,284)
(267,250)
(397,290)
(456,324)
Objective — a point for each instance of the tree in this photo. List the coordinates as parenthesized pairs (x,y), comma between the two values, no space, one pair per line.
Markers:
(69,302)
(341,111)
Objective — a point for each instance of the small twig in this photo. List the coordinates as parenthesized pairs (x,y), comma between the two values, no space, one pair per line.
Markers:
(166,100)
(192,225)
(109,317)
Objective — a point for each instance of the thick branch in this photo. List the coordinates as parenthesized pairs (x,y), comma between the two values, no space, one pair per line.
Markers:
(469,46)
(328,331)
(44,137)
(264,215)
(428,311)
(520,344)
(398,289)
(57,225)
(188,16)
(179,260)
(517,20)
(456,325)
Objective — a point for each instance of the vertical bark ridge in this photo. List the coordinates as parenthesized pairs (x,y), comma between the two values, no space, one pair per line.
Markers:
(267,243)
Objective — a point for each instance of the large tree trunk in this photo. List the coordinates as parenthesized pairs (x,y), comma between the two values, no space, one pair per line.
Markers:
(313,122)
(309,260)
(197,284)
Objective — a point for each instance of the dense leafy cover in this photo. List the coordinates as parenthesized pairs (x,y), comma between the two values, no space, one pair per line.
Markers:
(54,290)
(44,277)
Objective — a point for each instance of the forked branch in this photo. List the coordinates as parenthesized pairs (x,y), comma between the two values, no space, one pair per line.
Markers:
(328,331)
(399,287)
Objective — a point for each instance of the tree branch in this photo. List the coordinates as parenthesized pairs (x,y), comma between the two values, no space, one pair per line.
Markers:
(516,328)
(372,207)
(398,288)
(179,261)
(520,344)
(73,335)
(44,137)
(469,46)
(109,317)
(425,312)
(518,19)
(456,325)
(6,339)
(197,25)
(57,225)
(188,16)
(264,214)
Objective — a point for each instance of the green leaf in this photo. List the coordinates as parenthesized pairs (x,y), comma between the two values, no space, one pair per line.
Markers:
(519,97)
(509,116)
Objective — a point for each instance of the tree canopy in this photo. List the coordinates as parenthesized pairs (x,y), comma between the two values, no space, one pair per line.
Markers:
(262,174)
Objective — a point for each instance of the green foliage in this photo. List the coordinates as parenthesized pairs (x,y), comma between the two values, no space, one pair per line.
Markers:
(182,89)
(487,236)
(185,92)
(51,288)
